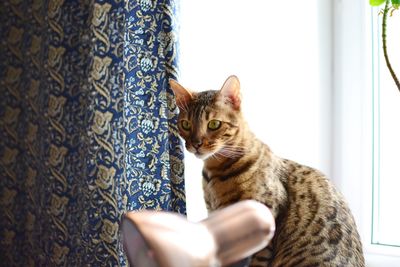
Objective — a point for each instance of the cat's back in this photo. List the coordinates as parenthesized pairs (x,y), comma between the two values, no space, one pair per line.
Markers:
(314,224)
(316,228)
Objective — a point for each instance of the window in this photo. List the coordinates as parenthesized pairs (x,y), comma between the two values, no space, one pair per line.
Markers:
(364,131)
(386,136)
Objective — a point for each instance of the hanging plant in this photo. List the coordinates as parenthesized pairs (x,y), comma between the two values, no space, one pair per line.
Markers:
(390,5)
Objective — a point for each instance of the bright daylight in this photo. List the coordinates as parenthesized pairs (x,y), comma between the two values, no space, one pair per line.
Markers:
(186,133)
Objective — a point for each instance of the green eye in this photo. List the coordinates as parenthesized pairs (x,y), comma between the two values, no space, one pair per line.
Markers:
(214,124)
(186,125)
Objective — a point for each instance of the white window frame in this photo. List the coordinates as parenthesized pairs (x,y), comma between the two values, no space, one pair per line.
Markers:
(351,120)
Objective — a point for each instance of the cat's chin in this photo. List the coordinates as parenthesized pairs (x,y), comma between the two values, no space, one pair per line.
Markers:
(201,155)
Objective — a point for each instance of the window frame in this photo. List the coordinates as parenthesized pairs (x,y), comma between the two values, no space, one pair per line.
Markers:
(352,120)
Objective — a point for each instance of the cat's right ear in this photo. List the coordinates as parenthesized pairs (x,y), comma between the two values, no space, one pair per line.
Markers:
(231,91)
(182,95)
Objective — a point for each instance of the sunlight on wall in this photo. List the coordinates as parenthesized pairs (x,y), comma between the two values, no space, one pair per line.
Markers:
(282,58)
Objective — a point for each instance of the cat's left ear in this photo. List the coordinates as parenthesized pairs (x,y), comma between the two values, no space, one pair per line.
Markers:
(231,91)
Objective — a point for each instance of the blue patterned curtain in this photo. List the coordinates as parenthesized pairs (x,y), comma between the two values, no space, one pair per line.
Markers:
(87,126)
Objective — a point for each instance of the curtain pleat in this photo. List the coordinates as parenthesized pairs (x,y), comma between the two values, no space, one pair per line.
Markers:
(87,126)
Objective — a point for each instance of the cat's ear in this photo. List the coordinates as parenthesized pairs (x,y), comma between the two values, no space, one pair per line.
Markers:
(182,95)
(231,91)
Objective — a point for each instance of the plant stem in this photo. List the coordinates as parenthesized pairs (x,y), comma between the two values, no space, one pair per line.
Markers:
(384,40)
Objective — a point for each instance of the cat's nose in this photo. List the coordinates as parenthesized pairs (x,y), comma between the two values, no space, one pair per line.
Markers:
(197,143)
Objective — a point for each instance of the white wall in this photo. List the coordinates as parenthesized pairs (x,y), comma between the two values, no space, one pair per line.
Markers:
(282,55)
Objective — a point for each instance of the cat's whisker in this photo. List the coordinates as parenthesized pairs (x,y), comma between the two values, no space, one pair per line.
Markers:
(219,154)
(229,151)
(236,151)
(216,156)
(236,148)
(228,154)
(231,146)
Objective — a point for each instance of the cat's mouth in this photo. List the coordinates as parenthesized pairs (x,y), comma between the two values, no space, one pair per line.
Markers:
(218,154)
(203,154)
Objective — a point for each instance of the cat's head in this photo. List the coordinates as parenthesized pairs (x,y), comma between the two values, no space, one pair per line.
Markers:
(209,121)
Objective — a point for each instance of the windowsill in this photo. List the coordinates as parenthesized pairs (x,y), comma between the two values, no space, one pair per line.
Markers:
(376,260)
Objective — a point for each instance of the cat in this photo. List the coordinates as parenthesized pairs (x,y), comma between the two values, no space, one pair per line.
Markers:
(314,226)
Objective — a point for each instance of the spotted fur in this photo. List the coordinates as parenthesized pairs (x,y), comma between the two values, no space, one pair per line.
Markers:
(314,224)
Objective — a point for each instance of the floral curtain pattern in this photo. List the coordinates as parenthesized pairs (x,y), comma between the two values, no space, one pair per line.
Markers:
(87,126)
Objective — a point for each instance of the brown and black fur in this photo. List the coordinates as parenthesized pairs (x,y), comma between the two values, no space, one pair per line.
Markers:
(314,224)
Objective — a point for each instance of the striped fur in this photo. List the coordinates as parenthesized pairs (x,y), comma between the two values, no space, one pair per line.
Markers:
(314,224)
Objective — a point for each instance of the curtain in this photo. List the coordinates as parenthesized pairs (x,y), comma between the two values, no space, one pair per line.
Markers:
(87,126)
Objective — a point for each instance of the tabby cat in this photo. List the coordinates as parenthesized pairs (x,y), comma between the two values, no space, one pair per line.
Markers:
(314,226)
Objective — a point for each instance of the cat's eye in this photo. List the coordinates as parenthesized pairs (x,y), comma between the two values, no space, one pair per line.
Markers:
(186,125)
(214,124)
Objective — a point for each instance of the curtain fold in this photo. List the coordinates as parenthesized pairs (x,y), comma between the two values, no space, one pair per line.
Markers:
(87,126)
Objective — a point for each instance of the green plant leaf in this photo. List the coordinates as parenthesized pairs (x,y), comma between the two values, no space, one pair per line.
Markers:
(396,3)
(377,2)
